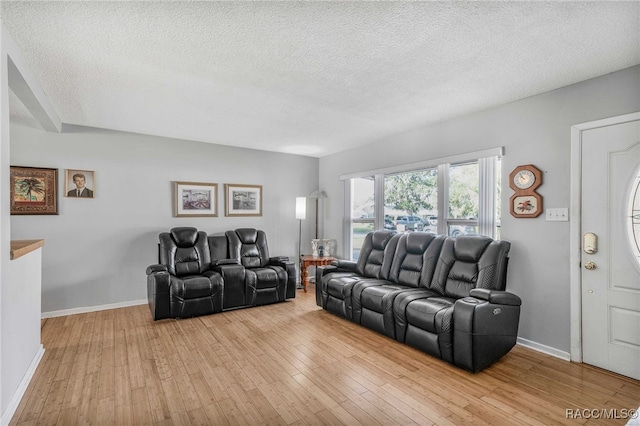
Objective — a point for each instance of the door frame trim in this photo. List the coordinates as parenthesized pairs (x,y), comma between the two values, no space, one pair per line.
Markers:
(575,223)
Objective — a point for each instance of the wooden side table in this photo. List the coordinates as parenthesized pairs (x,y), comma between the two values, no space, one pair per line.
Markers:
(307,260)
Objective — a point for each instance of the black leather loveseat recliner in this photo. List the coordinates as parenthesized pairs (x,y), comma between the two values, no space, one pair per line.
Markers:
(269,275)
(442,295)
(198,274)
(182,284)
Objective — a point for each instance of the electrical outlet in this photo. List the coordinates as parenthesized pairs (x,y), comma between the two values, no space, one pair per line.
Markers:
(557,215)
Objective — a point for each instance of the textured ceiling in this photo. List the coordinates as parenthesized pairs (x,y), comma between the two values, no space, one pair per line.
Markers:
(309,78)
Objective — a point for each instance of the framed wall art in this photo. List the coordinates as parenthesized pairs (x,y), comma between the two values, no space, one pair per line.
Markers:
(242,200)
(195,199)
(79,183)
(34,190)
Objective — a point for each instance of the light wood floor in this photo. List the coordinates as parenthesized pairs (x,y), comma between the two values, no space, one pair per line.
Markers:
(290,363)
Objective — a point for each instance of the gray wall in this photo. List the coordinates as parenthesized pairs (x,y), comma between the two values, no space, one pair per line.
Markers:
(96,250)
(535,131)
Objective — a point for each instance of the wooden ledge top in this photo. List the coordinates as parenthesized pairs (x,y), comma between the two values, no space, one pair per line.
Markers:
(21,247)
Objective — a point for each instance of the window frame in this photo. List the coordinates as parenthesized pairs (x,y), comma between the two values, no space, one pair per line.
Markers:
(488,175)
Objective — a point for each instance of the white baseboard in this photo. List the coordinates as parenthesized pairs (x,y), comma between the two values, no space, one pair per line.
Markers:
(22,388)
(544,349)
(84,310)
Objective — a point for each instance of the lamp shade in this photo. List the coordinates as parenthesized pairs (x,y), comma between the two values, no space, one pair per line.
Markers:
(318,194)
(301,208)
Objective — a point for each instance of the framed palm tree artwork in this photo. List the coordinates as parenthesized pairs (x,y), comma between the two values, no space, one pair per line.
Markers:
(34,190)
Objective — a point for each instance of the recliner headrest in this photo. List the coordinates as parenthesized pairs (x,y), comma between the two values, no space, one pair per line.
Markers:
(469,248)
(417,242)
(247,235)
(379,239)
(184,236)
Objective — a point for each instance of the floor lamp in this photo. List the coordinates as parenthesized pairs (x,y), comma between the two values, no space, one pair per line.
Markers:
(317,195)
(301,214)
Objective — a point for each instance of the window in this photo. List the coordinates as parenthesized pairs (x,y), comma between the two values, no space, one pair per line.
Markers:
(464,199)
(362,212)
(411,200)
(454,196)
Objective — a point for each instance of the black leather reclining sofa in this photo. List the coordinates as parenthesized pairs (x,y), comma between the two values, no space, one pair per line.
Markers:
(198,274)
(442,295)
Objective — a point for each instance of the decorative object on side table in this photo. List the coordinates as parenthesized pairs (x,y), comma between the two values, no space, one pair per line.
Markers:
(195,199)
(525,202)
(314,247)
(327,247)
(33,190)
(242,200)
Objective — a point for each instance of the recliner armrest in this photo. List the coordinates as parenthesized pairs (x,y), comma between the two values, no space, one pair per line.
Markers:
(325,269)
(225,262)
(280,261)
(152,269)
(485,327)
(292,274)
(158,283)
(345,265)
(496,296)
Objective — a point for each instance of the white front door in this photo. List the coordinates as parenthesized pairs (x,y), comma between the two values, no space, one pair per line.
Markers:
(610,276)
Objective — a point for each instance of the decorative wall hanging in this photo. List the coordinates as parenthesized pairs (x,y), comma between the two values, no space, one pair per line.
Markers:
(242,200)
(79,183)
(525,202)
(195,199)
(33,190)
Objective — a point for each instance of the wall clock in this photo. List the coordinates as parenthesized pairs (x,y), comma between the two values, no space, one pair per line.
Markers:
(524,179)
(525,202)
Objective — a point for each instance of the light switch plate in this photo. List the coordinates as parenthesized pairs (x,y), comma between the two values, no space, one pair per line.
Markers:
(557,215)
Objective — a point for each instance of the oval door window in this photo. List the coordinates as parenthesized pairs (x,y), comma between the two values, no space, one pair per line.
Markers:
(634,218)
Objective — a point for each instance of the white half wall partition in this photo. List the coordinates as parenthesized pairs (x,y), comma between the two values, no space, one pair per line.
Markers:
(20,276)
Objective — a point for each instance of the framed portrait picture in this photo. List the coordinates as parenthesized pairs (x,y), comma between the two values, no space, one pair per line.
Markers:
(33,190)
(242,200)
(195,199)
(79,183)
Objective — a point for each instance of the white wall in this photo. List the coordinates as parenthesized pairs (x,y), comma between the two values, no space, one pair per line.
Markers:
(97,249)
(535,131)
(20,349)
(4,173)
(20,326)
